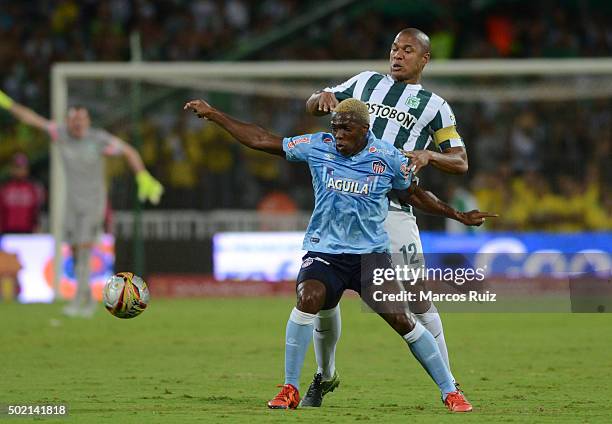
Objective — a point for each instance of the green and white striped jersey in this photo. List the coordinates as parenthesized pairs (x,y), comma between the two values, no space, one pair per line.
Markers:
(400,113)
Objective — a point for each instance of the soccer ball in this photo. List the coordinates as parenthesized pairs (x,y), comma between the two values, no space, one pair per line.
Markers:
(125,295)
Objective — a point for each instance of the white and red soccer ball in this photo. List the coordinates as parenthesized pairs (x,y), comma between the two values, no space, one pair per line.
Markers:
(125,295)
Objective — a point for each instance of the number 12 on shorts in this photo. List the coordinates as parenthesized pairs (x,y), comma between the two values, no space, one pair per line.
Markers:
(412,250)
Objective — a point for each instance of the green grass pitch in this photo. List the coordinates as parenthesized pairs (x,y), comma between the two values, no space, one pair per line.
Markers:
(219,361)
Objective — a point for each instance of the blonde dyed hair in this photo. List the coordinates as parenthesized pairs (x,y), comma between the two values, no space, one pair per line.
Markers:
(357,108)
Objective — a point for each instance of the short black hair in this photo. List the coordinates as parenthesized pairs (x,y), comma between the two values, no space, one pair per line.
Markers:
(422,38)
(78,106)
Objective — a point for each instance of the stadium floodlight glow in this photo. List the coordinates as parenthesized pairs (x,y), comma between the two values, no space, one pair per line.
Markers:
(530,79)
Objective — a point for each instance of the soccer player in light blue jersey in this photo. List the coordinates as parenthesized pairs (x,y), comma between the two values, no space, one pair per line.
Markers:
(404,114)
(352,172)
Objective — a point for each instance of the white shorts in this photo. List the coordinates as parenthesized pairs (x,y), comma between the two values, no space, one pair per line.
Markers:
(406,247)
(82,228)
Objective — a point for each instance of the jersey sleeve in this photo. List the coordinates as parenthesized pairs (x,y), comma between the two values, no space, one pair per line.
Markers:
(444,129)
(298,148)
(111,145)
(345,90)
(402,175)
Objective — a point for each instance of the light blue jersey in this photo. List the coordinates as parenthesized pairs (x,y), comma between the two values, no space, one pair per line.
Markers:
(350,192)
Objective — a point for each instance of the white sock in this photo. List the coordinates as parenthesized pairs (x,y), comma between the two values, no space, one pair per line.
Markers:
(327,329)
(82,271)
(432,322)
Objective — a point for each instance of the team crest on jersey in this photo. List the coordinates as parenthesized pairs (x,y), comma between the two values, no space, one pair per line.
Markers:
(378,167)
(413,102)
(298,140)
(327,139)
(307,262)
(405,170)
(372,149)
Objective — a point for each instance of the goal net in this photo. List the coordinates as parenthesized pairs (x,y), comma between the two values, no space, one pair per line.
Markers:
(501,107)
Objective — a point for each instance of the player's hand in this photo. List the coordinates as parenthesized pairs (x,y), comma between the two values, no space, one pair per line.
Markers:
(327,102)
(418,159)
(199,107)
(475,218)
(148,188)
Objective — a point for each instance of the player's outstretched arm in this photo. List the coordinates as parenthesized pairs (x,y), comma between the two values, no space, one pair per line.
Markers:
(250,135)
(149,189)
(452,160)
(427,202)
(22,113)
(321,103)
(130,154)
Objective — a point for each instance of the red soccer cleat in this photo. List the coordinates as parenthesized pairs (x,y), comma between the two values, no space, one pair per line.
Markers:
(456,402)
(287,398)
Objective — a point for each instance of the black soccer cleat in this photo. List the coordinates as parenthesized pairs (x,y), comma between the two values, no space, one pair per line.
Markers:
(319,388)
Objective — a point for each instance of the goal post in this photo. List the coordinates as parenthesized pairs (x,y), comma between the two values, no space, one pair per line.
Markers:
(456,80)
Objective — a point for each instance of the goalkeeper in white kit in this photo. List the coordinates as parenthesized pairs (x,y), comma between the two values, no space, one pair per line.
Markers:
(82,149)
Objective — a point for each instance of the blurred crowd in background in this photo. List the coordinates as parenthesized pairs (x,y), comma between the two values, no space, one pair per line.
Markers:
(542,165)
(37,33)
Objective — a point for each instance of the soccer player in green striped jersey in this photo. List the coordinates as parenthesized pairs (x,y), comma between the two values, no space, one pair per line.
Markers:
(409,117)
